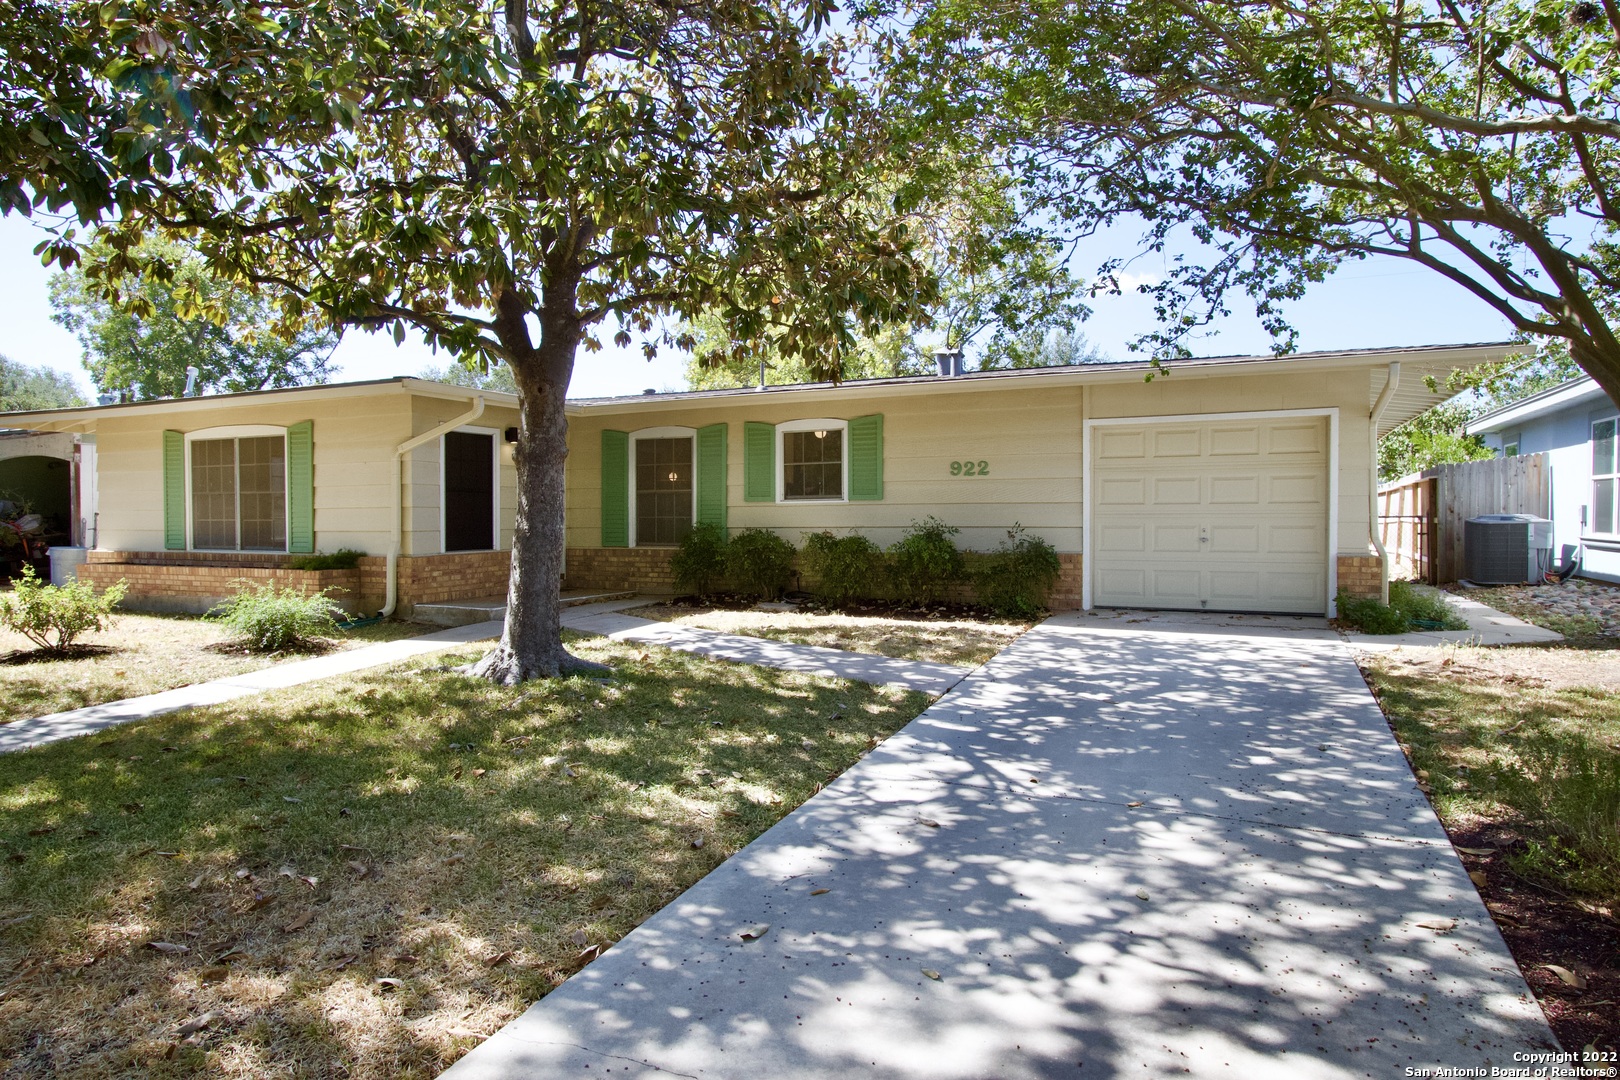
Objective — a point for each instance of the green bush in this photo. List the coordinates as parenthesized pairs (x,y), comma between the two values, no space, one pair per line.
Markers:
(845,567)
(925,562)
(700,560)
(341,559)
(1408,609)
(759,563)
(54,616)
(1017,577)
(268,619)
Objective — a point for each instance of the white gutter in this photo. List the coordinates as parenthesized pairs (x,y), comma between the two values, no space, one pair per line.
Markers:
(396,540)
(1373,530)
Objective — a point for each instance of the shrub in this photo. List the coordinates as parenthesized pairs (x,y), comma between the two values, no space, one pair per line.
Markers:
(701,558)
(1017,577)
(925,562)
(53,616)
(845,567)
(1407,609)
(341,559)
(759,563)
(268,619)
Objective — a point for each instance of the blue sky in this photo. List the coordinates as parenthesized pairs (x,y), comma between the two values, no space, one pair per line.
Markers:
(1383,302)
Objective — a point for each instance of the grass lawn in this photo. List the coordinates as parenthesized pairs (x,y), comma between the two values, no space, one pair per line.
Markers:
(1519,751)
(140,654)
(362,877)
(967,642)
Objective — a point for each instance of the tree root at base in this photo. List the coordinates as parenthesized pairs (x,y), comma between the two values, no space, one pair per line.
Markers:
(502,667)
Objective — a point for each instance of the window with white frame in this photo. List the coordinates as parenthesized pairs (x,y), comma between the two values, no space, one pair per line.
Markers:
(663,485)
(239,492)
(814,463)
(1605,478)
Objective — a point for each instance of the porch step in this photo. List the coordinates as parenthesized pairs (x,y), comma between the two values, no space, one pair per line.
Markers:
(485,608)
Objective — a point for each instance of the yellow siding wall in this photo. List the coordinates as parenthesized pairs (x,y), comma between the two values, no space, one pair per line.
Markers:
(355,439)
(1031,439)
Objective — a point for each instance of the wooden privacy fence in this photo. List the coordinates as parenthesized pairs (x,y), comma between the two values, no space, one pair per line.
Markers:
(1421,517)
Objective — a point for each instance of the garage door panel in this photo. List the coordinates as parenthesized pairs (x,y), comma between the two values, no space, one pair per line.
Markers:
(1224,515)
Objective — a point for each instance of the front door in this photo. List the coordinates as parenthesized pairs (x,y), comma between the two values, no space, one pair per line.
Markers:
(469,491)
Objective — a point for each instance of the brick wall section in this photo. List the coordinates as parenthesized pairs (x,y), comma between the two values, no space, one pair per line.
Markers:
(1360,576)
(618,569)
(194,581)
(193,586)
(647,570)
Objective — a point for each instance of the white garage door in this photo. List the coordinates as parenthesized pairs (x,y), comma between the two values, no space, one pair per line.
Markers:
(1218,515)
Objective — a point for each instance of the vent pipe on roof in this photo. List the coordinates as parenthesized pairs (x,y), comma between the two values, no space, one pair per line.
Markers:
(949,362)
(191,381)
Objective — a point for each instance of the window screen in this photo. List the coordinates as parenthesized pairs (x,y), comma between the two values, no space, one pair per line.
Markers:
(813,464)
(1605,479)
(239,494)
(663,491)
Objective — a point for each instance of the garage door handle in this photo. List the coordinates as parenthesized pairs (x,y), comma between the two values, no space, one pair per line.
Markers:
(1203,539)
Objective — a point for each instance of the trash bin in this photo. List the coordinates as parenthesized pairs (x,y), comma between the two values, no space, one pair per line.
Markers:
(65,563)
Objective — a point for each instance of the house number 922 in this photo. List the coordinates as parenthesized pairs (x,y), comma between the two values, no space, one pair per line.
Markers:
(970,468)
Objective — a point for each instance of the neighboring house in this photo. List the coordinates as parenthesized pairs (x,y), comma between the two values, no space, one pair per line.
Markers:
(1231,484)
(55,474)
(1575,425)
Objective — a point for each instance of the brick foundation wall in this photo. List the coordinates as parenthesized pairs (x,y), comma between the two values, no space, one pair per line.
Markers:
(194,581)
(1360,576)
(647,570)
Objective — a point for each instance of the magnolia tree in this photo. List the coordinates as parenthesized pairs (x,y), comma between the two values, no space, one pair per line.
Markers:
(1477,138)
(510,181)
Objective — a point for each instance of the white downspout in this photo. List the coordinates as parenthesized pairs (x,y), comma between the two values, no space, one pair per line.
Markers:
(1373,531)
(397,538)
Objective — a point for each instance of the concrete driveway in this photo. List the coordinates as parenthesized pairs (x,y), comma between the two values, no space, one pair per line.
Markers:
(1132,845)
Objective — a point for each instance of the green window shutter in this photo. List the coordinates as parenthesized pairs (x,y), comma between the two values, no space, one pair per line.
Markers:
(711,475)
(615,489)
(301,487)
(866,458)
(759,462)
(174,491)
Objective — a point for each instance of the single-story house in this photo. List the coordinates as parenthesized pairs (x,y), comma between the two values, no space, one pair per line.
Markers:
(1578,426)
(54,474)
(1230,483)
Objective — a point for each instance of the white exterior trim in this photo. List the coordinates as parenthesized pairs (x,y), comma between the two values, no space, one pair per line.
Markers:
(667,432)
(1088,566)
(822,424)
(239,431)
(495,495)
(1572,393)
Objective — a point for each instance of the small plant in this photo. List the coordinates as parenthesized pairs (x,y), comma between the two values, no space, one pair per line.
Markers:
(1567,786)
(268,619)
(1017,577)
(1408,609)
(341,559)
(759,563)
(924,562)
(845,567)
(54,616)
(700,560)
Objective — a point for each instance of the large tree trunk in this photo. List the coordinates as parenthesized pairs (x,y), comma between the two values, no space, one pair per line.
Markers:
(531,645)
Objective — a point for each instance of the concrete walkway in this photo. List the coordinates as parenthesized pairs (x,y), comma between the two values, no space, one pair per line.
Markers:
(1136,845)
(608,620)
(1486,626)
(599,618)
(22,734)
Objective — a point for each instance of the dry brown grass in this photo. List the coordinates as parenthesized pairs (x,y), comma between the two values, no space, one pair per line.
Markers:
(965,642)
(139,654)
(473,843)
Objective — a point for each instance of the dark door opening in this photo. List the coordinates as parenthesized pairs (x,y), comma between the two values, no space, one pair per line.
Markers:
(469,492)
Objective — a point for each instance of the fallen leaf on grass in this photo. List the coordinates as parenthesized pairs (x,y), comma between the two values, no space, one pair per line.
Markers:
(579,937)
(43,830)
(1439,926)
(498,959)
(360,868)
(390,984)
(195,883)
(698,842)
(167,947)
(454,859)
(1477,877)
(301,920)
(338,963)
(234,953)
(1477,850)
(132,807)
(754,933)
(932,974)
(195,1024)
(14,921)
(217,973)
(1566,976)
(289,798)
